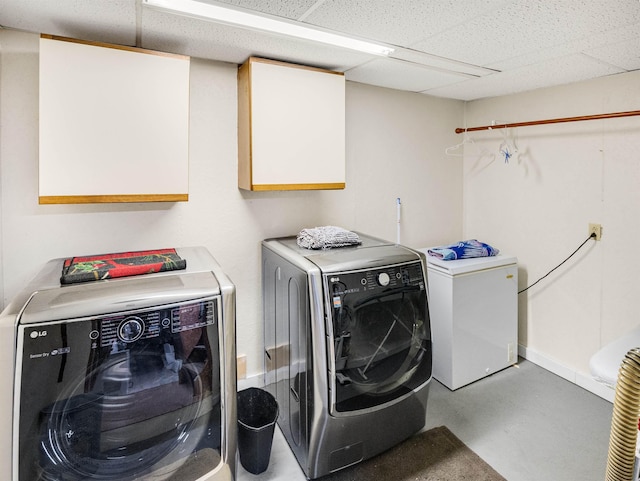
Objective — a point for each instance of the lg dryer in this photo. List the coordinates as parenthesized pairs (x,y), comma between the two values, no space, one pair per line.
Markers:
(347,348)
(120,380)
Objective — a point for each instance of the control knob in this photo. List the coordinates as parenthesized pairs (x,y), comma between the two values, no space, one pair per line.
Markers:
(383,279)
(131,329)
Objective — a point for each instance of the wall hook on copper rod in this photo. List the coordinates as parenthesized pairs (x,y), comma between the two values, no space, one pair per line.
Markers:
(613,115)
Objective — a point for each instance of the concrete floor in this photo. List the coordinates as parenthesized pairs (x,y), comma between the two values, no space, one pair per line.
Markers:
(526,422)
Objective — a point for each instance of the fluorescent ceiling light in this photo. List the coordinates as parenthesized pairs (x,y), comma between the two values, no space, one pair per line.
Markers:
(252,21)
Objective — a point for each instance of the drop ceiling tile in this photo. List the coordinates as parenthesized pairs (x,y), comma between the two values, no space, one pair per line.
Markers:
(522,27)
(209,40)
(545,74)
(398,22)
(280,8)
(625,54)
(112,22)
(620,36)
(400,75)
(435,62)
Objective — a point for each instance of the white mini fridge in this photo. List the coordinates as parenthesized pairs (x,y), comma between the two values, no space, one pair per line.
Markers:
(473,305)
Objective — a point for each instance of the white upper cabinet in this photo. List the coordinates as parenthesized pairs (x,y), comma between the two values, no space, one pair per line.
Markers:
(291,127)
(114,123)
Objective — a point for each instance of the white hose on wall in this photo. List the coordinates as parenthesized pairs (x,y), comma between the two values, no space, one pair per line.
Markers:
(398,204)
(624,424)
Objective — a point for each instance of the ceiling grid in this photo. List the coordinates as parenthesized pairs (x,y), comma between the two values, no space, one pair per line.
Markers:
(448,48)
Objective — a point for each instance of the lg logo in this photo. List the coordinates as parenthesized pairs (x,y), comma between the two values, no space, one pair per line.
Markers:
(36,334)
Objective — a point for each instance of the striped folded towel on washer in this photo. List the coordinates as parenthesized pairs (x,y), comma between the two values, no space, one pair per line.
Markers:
(327,237)
(463,250)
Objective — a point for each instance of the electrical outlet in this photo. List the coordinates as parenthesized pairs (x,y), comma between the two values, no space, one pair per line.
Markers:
(595,229)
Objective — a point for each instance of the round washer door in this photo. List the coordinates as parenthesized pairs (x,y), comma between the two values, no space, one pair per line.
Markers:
(119,433)
(116,400)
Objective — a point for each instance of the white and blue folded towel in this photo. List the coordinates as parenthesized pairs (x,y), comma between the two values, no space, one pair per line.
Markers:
(327,237)
(463,250)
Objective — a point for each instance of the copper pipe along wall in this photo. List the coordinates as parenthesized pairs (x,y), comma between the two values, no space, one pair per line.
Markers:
(613,115)
(624,423)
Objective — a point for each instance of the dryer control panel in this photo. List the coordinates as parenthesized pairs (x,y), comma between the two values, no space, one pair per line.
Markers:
(379,279)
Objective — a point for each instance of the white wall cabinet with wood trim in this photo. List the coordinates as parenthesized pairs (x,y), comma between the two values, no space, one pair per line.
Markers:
(291,127)
(114,123)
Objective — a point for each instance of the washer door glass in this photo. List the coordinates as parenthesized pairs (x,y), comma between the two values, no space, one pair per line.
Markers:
(381,333)
(127,397)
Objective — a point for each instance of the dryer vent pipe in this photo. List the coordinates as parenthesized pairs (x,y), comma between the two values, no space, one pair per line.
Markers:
(624,424)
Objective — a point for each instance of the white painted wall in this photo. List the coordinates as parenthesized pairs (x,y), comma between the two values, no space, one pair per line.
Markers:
(538,208)
(395,148)
(2,129)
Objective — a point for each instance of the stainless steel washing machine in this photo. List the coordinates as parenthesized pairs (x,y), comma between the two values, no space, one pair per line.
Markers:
(347,348)
(120,380)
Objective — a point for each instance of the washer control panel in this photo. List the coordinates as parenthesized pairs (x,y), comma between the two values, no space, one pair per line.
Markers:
(149,323)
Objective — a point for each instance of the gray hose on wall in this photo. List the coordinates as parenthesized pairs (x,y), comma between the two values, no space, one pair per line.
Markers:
(624,424)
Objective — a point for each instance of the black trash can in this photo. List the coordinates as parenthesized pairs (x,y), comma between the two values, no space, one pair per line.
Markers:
(257,416)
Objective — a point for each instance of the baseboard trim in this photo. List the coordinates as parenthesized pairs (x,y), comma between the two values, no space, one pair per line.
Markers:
(559,369)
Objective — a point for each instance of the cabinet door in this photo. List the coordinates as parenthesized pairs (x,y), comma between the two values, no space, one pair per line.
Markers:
(291,127)
(114,123)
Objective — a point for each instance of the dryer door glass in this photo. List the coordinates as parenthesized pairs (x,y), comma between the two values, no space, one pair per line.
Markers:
(381,335)
(126,397)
